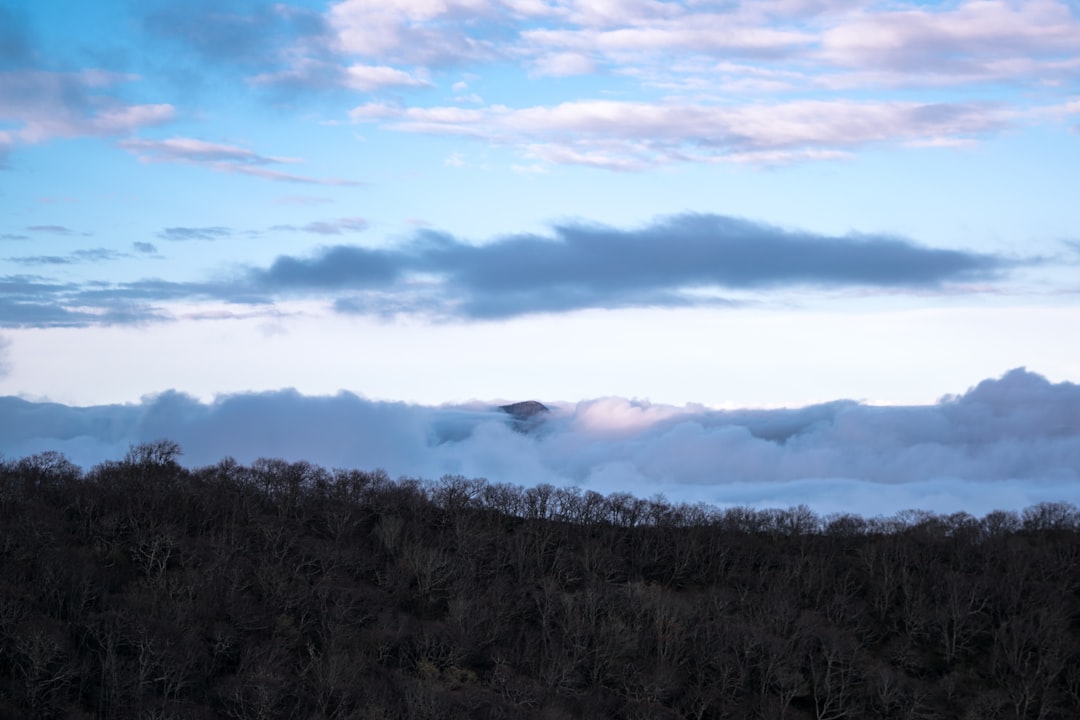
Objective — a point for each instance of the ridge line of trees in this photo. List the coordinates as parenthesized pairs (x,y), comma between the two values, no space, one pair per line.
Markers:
(142,589)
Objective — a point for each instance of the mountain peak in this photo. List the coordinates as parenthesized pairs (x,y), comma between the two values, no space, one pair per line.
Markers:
(525,415)
(525,410)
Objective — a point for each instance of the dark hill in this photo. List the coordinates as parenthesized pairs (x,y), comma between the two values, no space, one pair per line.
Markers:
(525,410)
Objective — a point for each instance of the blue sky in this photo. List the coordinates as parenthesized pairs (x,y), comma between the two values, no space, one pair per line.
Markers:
(756,204)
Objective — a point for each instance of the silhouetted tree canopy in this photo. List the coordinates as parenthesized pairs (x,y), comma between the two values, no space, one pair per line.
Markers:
(142,589)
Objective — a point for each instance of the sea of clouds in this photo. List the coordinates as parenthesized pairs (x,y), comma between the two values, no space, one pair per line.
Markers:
(1006,443)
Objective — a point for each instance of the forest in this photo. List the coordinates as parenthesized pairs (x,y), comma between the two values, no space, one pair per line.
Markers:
(143,589)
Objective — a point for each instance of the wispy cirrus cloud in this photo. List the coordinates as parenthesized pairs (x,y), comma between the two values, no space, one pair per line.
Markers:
(86,255)
(340,226)
(50,229)
(620,135)
(182,234)
(225,158)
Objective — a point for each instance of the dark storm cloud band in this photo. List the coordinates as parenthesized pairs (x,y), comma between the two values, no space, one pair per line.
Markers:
(679,261)
(598,267)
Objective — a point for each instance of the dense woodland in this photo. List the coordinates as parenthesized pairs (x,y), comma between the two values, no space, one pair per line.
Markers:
(141,589)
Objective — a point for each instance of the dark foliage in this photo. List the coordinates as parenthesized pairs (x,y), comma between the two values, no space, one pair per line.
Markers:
(141,589)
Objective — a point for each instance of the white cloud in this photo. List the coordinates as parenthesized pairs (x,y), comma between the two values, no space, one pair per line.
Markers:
(414,31)
(1005,443)
(622,135)
(564,64)
(374,77)
(974,35)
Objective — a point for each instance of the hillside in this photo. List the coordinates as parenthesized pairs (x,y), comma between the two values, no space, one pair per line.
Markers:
(278,590)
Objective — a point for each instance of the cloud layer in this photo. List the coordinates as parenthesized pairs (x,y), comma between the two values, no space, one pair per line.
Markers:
(766,83)
(680,261)
(1006,443)
(618,135)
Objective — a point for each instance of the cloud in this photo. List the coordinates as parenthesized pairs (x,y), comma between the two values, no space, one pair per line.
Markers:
(714,62)
(416,32)
(333,268)
(311,74)
(621,135)
(43,105)
(36,301)
(194,233)
(828,45)
(144,248)
(971,42)
(328,227)
(1005,444)
(222,157)
(13,236)
(659,265)
(337,227)
(281,47)
(680,261)
(48,312)
(52,229)
(89,255)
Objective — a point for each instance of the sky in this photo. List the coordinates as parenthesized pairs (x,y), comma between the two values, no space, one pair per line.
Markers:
(709,207)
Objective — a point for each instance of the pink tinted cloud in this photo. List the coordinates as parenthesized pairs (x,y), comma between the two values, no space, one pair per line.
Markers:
(224,158)
(632,135)
(45,105)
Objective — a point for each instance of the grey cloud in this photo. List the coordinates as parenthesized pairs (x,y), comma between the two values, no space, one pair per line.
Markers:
(88,255)
(337,227)
(10,236)
(1006,443)
(30,313)
(327,227)
(596,266)
(35,301)
(53,229)
(341,267)
(42,260)
(108,295)
(681,261)
(144,247)
(97,255)
(194,233)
